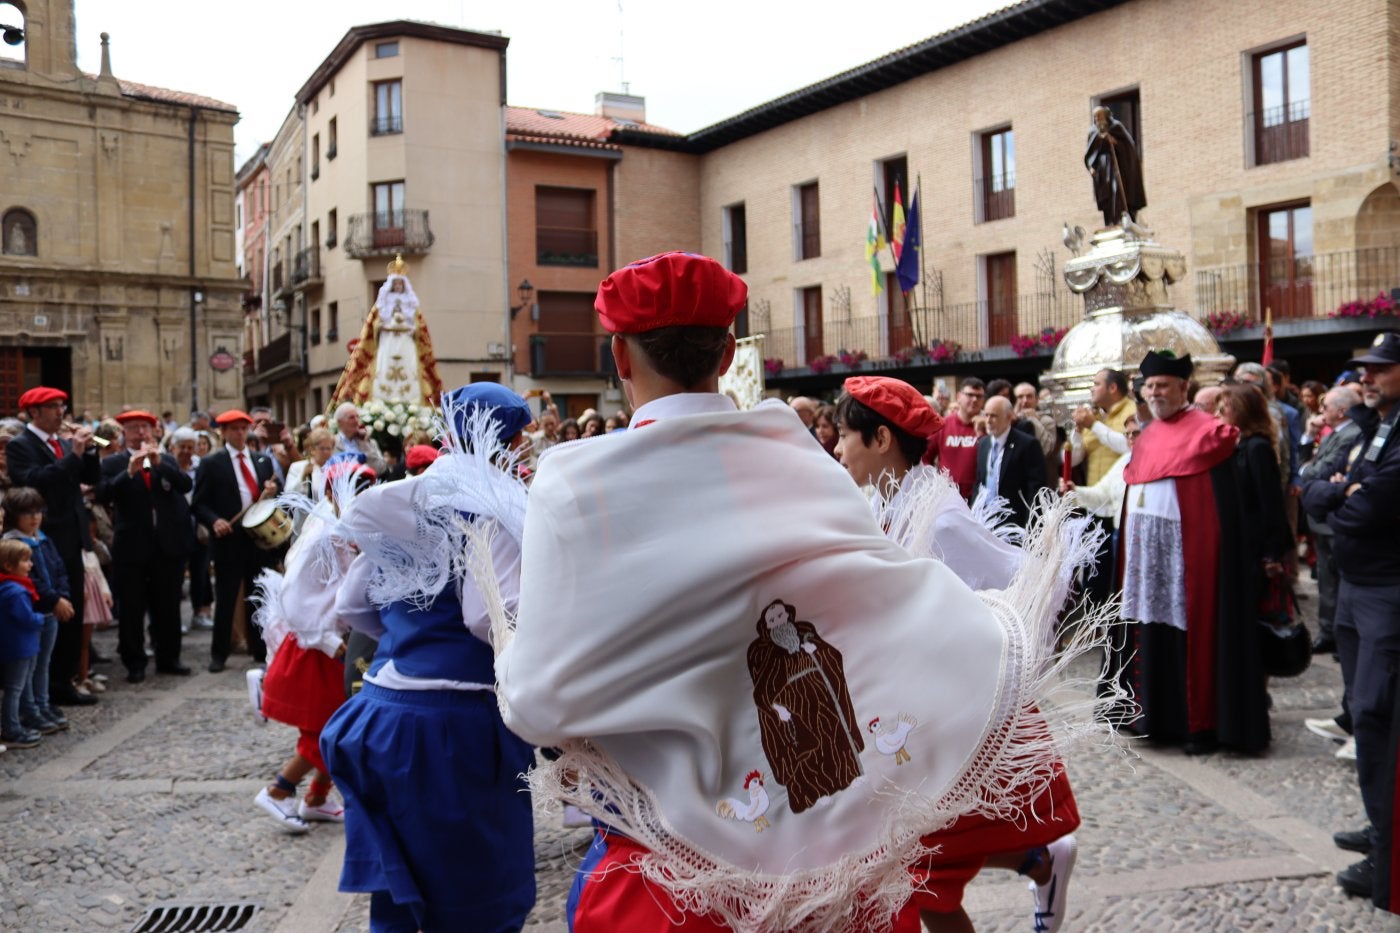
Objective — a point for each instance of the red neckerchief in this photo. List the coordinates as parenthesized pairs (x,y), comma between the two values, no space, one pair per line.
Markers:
(25,582)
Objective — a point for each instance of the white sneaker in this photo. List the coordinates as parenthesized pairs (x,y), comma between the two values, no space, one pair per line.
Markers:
(574,817)
(283,811)
(1348,750)
(328,812)
(1051,898)
(1327,728)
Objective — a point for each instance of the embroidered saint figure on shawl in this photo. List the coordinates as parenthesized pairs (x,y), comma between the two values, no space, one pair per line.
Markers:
(806,720)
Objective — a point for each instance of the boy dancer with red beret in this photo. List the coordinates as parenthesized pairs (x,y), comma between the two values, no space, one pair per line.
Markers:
(716,718)
(884,425)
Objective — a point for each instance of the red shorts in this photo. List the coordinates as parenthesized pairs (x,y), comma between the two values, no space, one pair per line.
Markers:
(612,897)
(965,846)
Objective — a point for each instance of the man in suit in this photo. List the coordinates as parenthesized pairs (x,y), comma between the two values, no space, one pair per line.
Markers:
(151,546)
(58,468)
(1009,463)
(226,483)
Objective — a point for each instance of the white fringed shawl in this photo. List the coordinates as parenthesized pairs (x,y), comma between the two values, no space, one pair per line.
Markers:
(648,559)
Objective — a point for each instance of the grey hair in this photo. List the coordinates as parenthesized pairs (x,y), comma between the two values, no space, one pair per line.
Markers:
(344,408)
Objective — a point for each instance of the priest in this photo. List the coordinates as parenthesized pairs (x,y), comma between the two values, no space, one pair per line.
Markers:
(1195,665)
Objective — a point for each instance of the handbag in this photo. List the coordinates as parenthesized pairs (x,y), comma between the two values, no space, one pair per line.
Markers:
(1284,644)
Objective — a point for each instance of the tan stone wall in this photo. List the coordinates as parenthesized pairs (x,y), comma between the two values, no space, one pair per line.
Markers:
(1188,59)
(106,179)
(451,159)
(657,203)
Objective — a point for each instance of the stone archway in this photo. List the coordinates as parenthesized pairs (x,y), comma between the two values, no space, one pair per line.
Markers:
(1378,220)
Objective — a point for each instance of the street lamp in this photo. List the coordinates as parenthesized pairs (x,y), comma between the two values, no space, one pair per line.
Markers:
(12,35)
(526,292)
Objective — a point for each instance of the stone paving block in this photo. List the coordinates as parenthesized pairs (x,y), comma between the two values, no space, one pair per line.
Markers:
(78,857)
(204,739)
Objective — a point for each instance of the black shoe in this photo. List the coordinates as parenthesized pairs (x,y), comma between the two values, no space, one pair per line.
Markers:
(1357,840)
(71,697)
(1356,879)
(136,676)
(216,665)
(179,670)
(1324,644)
(1200,743)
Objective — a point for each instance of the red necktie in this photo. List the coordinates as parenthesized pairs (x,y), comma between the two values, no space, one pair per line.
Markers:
(248,477)
(146,476)
(57,450)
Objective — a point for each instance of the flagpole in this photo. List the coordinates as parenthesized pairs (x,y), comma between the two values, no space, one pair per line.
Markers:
(923,268)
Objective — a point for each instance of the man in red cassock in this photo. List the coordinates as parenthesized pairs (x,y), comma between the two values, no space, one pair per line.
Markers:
(1193,660)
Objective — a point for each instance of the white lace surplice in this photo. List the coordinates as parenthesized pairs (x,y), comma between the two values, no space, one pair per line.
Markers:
(1154,580)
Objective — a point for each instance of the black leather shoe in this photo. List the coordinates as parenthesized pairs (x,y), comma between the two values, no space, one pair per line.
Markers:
(179,670)
(71,697)
(1356,879)
(216,666)
(1200,743)
(1324,644)
(1357,840)
(136,676)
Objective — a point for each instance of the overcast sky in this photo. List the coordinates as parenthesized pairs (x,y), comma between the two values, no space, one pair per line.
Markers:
(696,64)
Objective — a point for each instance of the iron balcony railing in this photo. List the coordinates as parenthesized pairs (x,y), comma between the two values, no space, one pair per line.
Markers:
(566,246)
(1299,286)
(388,232)
(307,267)
(386,126)
(996,196)
(570,355)
(276,352)
(974,325)
(1281,133)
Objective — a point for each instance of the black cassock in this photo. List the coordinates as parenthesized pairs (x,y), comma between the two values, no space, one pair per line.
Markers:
(1117,172)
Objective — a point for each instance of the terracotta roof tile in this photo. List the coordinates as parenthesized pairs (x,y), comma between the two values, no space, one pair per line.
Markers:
(166,96)
(565,126)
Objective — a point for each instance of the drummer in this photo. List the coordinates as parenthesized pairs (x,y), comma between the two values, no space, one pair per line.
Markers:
(226,484)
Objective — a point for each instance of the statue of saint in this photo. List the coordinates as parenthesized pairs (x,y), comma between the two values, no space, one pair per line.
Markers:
(1112,159)
(392,359)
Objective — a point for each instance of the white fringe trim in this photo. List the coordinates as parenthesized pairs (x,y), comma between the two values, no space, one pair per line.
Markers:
(1045,711)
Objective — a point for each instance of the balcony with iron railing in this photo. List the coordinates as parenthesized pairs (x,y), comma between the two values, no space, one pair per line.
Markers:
(386,125)
(1281,133)
(388,232)
(974,326)
(996,197)
(1298,287)
(565,246)
(306,269)
(570,355)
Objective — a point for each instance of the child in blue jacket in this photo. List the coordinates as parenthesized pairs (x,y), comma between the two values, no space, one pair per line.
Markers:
(19,639)
(24,513)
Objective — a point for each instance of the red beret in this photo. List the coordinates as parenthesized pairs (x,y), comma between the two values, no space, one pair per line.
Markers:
(669,290)
(41,395)
(233,416)
(419,456)
(138,415)
(898,401)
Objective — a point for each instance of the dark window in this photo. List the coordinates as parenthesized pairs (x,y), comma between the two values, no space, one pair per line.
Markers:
(318,397)
(331,235)
(388,205)
(997,185)
(566,232)
(741,323)
(315,335)
(330,139)
(386,49)
(1000,271)
(808,222)
(736,239)
(1281,104)
(1285,260)
(813,344)
(388,108)
(893,171)
(332,324)
(1126,108)
(567,340)
(20,233)
(315,156)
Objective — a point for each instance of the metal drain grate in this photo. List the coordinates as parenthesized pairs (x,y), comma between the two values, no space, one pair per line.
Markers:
(195,918)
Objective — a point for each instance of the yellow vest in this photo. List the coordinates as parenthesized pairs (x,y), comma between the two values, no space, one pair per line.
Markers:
(1101,457)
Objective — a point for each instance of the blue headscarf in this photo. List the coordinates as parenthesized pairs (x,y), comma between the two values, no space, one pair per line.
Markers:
(509,411)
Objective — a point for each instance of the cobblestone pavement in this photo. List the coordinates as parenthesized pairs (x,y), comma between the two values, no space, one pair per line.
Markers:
(148,800)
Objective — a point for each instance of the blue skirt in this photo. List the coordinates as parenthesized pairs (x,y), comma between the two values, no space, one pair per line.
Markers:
(436,811)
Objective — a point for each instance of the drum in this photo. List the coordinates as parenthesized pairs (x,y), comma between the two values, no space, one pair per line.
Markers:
(267,525)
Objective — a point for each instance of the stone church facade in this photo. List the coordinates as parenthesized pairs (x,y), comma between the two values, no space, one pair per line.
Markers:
(117,266)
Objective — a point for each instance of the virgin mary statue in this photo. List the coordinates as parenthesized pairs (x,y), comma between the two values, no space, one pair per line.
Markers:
(392,359)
